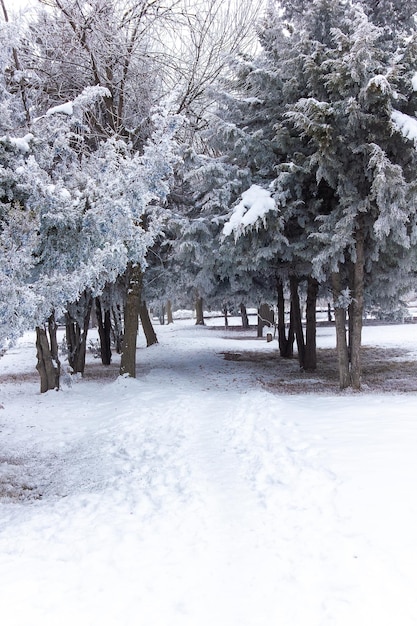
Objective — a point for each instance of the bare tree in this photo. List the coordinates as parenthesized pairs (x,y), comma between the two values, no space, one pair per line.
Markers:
(210,35)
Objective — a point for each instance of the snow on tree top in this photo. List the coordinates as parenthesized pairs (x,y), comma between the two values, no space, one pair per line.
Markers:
(255,204)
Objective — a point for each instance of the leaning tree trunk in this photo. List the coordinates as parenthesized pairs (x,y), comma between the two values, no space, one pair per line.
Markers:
(357,309)
(77,320)
(244,316)
(48,365)
(199,311)
(285,343)
(131,320)
(310,360)
(148,329)
(297,320)
(104,332)
(341,342)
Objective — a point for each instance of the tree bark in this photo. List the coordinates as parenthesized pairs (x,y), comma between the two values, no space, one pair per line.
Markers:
(199,311)
(285,343)
(148,329)
(329,312)
(104,332)
(226,318)
(48,364)
(244,315)
(297,320)
(357,308)
(310,361)
(265,318)
(76,335)
(131,320)
(170,319)
(341,342)
(117,328)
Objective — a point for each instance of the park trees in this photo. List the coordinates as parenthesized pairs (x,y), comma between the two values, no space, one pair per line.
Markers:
(128,49)
(344,178)
(89,200)
(102,154)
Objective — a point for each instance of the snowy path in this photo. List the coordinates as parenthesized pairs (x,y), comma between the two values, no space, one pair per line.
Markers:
(191,497)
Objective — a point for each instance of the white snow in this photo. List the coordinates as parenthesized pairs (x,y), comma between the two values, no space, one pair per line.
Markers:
(195,496)
(414,82)
(255,204)
(21,143)
(406,124)
(67,108)
(380,83)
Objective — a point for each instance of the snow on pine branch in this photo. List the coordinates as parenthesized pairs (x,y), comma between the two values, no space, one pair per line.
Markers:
(256,202)
(405,124)
(67,108)
(83,101)
(20,143)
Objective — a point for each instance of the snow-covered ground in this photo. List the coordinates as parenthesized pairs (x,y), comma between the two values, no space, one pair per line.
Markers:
(194,496)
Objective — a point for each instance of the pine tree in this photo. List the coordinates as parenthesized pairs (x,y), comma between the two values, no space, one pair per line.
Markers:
(344,173)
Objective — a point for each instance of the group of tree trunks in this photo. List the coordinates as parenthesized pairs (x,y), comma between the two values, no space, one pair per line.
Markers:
(125,340)
(110,326)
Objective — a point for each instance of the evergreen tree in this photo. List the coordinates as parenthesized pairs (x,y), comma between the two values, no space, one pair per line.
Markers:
(345,176)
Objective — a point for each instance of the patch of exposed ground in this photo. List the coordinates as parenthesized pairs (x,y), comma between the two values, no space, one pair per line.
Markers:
(384,370)
(14,482)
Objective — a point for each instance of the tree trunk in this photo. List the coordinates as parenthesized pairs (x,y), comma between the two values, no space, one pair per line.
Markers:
(297,320)
(357,309)
(341,342)
(162,315)
(285,344)
(199,311)
(131,320)
(265,318)
(148,329)
(77,322)
(104,332)
(310,362)
(48,364)
(117,329)
(244,315)
(226,319)
(329,312)
(170,319)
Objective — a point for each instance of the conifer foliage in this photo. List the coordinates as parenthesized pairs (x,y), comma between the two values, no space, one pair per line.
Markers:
(344,180)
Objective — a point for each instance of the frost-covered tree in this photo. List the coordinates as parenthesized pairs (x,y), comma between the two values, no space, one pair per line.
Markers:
(17,225)
(268,253)
(394,15)
(344,175)
(369,170)
(210,34)
(72,49)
